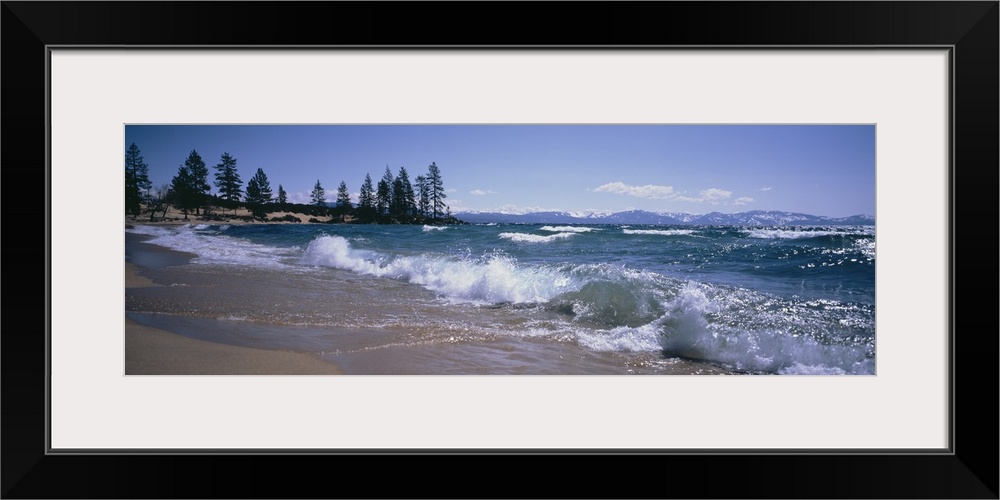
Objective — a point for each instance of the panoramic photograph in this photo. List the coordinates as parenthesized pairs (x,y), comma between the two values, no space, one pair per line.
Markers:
(499,249)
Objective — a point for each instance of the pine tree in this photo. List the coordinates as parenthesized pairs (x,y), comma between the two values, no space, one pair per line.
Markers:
(199,174)
(383,196)
(136,180)
(437,193)
(318,195)
(423,195)
(282,197)
(366,199)
(184,187)
(258,194)
(408,193)
(402,195)
(343,198)
(227,179)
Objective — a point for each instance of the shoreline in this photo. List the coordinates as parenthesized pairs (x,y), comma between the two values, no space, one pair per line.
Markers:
(178,220)
(241,216)
(152,351)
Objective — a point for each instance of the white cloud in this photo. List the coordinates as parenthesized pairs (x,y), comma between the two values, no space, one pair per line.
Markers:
(714,194)
(480,192)
(710,195)
(299,197)
(451,190)
(688,199)
(765,188)
(518,210)
(647,191)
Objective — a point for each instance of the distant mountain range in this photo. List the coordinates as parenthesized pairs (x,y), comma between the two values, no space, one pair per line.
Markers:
(751,218)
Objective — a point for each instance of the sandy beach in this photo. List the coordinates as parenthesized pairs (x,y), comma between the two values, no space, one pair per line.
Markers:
(151,351)
(238,216)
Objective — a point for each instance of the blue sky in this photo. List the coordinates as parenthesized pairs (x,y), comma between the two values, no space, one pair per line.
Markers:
(815,169)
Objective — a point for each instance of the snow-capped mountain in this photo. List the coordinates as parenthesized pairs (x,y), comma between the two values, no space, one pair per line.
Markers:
(751,218)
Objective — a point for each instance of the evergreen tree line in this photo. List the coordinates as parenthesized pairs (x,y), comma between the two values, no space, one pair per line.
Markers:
(394,199)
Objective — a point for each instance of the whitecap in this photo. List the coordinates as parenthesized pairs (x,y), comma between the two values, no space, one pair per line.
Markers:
(660,232)
(492,280)
(568,229)
(534,238)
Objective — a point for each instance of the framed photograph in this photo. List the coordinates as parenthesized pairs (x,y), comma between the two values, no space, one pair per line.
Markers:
(743,373)
(459,268)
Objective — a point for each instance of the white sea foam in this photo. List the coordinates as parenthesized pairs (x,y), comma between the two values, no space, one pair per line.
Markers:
(568,229)
(691,328)
(863,246)
(786,234)
(212,248)
(774,233)
(680,331)
(684,329)
(147,230)
(644,338)
(434,228)
(534,238)
(801,369)
(866,246)
(660,232)
(496,279)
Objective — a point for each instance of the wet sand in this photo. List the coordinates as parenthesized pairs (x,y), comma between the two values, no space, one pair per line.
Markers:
(151,351)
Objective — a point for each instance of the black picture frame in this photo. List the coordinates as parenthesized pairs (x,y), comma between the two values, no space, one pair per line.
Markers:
(970,29)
